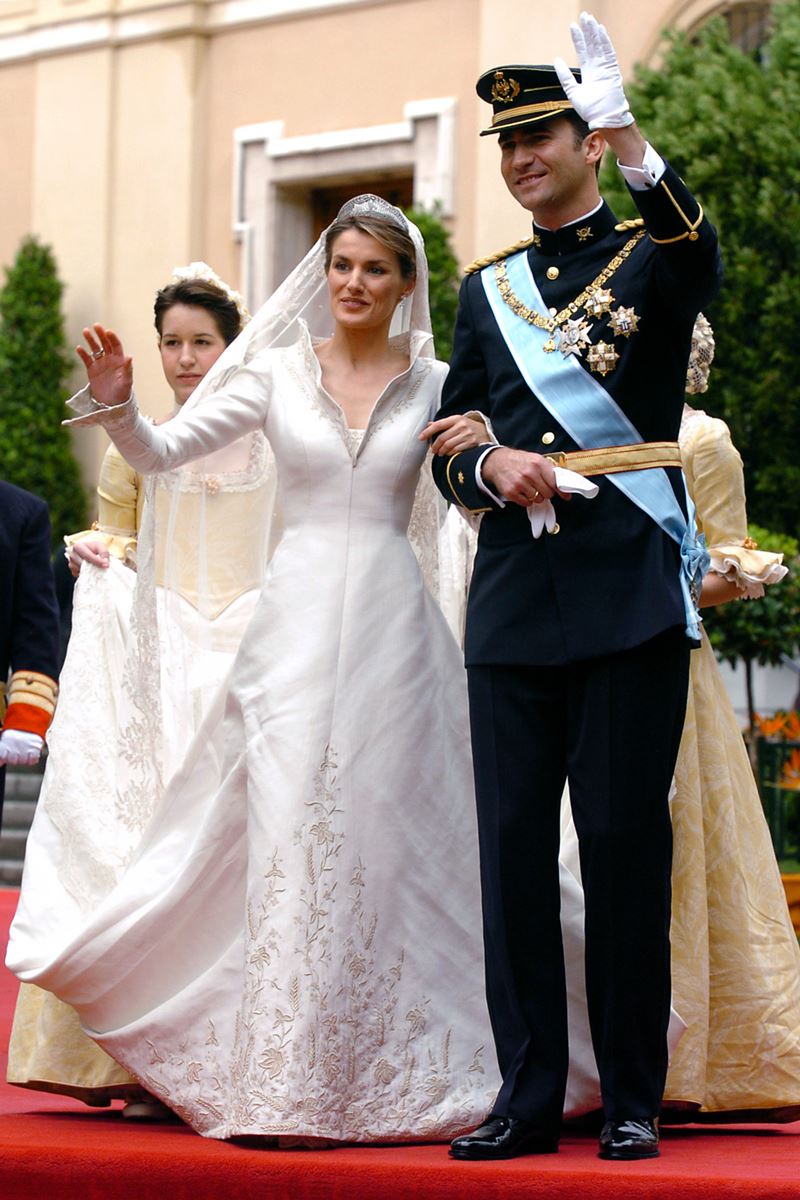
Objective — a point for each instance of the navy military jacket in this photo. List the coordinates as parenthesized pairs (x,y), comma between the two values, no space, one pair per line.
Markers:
(608,580)
(28,610)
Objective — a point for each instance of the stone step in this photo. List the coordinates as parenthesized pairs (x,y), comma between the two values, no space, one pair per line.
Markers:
(10,873)
(18,814)
(22,784)
(21,793)
(12,843)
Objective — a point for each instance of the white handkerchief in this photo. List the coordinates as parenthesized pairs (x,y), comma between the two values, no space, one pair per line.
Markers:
(543,516)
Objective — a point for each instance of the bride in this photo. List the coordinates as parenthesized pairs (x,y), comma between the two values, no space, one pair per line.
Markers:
(295,949)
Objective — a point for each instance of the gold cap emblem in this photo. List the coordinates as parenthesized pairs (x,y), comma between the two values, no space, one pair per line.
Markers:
(504,90)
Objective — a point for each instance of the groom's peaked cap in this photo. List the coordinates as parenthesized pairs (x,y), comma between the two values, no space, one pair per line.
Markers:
(522,95)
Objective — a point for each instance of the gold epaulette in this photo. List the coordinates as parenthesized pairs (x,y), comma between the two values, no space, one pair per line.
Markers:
(480,263)
(624,226)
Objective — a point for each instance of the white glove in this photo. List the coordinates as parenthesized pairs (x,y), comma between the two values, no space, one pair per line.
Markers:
(20,749)
(543,515)
(599,98)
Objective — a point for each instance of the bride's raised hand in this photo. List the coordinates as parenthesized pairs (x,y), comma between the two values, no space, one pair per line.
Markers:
(452,435)
(108,368)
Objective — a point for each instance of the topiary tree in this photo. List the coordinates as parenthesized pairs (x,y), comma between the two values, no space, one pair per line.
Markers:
(726,121)
(443,278)
(762,630)
(35,450)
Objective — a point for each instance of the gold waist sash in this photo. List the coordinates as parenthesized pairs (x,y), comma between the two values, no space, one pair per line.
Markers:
(607,460)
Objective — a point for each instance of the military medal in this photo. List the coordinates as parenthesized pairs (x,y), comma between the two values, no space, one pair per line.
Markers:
(599,302)
(602,358)
(624,321)
(569,331)
(573,337)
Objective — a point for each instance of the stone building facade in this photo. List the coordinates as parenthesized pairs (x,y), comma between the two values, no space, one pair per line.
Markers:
(138,134)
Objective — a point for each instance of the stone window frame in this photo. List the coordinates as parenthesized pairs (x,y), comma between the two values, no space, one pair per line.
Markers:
(274,174)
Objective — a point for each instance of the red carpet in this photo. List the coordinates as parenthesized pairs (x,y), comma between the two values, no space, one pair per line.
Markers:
(56,1149)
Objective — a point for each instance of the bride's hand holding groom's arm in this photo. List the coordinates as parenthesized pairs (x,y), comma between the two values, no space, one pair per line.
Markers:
(454,434)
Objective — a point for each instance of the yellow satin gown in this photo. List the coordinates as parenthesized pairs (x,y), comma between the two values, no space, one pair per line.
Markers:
(735,957)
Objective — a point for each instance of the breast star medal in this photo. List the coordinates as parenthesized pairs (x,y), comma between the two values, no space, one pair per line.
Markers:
(624,321)
(599,302)
(602,358)
(573,336)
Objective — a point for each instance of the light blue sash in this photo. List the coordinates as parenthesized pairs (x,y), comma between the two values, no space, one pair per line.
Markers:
(592,418)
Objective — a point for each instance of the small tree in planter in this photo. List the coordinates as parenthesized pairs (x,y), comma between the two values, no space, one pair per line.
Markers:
(35,450)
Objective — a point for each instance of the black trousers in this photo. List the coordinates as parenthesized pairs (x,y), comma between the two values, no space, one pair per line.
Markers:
(612,726)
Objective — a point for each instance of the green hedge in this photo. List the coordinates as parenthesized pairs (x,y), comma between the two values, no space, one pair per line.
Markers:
(443,279)
(35,450)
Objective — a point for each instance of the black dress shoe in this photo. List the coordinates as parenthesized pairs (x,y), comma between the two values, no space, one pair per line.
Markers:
(629,1139)
(504,1137)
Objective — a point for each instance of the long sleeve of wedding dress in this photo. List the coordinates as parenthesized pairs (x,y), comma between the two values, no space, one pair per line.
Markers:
(217,421)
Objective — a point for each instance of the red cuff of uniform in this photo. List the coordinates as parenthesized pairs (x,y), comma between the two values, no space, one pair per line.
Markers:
(27,718)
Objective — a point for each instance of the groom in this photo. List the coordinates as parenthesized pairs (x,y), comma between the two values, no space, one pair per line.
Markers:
(575,344)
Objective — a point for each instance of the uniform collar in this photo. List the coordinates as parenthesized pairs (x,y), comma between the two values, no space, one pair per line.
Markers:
(577,235)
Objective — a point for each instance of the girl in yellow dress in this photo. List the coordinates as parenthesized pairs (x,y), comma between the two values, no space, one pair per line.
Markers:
(735,957)
(196,317)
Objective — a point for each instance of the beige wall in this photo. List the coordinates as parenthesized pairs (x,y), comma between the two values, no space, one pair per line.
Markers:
(155,209)
(305,74)
(17,117)
(118,120)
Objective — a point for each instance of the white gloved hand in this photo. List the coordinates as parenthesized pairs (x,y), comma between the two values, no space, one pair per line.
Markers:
(543,516)
(20,749)
(600,97)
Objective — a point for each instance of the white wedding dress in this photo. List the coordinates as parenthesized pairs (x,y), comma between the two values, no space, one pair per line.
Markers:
(296,948)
